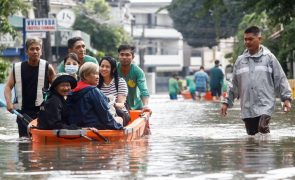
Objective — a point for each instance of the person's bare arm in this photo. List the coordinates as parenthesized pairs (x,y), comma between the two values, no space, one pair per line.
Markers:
(145,101)
(121,99)
(7,91)
(51,73)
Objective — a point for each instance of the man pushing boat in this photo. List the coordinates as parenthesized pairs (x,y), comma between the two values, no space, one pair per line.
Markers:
(28,78)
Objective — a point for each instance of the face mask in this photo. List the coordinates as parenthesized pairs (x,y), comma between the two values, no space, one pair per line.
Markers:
(71,69)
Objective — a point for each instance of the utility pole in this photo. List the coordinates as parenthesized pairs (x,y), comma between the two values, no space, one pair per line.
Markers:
(41,10)
(132,27)
(141,49)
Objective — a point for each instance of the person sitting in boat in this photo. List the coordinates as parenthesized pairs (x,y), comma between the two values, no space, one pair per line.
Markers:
(53,111)
(114,88)
(72,64)
(88,106)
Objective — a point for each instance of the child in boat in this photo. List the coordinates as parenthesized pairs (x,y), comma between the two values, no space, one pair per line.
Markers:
(53,111)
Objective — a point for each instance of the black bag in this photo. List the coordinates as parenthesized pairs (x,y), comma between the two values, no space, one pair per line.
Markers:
(123,114)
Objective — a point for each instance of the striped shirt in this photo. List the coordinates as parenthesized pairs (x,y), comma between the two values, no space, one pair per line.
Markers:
(110,89)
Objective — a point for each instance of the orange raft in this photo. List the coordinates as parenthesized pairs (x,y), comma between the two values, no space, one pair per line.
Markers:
(137,127)
(208,96)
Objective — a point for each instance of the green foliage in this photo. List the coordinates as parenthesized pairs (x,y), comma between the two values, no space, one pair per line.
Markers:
(249,20)
(204,22)
(4,66)
(282,47)
(9,8)
(285,45)
(100,54)
(228,55)
(104,36)
(97,7)
(278,11)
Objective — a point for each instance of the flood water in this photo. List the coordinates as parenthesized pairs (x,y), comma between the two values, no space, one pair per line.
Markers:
(189,140)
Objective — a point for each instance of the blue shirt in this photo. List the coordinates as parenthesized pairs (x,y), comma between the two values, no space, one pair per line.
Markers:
(201,79)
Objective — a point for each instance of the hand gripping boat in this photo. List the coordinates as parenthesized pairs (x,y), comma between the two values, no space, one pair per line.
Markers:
(137,127)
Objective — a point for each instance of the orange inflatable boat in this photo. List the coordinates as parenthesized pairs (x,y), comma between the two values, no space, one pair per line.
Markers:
(137,127)
(208,96)
(187,95)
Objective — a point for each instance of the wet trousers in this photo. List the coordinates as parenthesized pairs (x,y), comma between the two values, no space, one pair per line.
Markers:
(257,124)
(23,125)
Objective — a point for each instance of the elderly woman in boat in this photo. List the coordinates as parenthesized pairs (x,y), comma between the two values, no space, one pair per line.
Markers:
(88,106)
(53,111)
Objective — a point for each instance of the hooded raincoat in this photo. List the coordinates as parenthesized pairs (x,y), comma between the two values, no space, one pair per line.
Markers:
(257,79)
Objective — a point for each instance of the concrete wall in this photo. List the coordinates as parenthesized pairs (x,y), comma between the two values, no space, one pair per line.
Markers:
(151,82)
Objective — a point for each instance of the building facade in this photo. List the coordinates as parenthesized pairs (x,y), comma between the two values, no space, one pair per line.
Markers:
(159,47)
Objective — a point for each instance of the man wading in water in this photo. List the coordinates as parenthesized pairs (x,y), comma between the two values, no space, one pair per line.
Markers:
(257,77)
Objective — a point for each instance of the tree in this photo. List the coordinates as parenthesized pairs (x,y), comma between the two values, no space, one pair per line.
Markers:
(204,22)
(278,11)
(280,14)
(4,66)
(9,8)
(250,20)
(284,46)
(93,18)
(104,37)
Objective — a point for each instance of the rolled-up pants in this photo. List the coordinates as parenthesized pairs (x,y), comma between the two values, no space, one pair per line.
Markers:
(257,124)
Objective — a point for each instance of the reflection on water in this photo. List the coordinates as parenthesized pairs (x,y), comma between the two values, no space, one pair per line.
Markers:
(78,160)
(188,140)
(8,126)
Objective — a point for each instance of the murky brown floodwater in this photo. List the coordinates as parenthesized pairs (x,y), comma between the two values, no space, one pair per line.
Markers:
(189,140)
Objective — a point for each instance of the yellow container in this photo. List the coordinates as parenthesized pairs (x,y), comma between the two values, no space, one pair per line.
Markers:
(293,93)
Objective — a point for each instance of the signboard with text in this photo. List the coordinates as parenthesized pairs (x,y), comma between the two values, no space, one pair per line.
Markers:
(36,34)
(41,24)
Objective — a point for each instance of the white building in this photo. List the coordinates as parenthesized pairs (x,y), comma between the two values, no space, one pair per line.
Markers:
(208,56)
(153,31)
